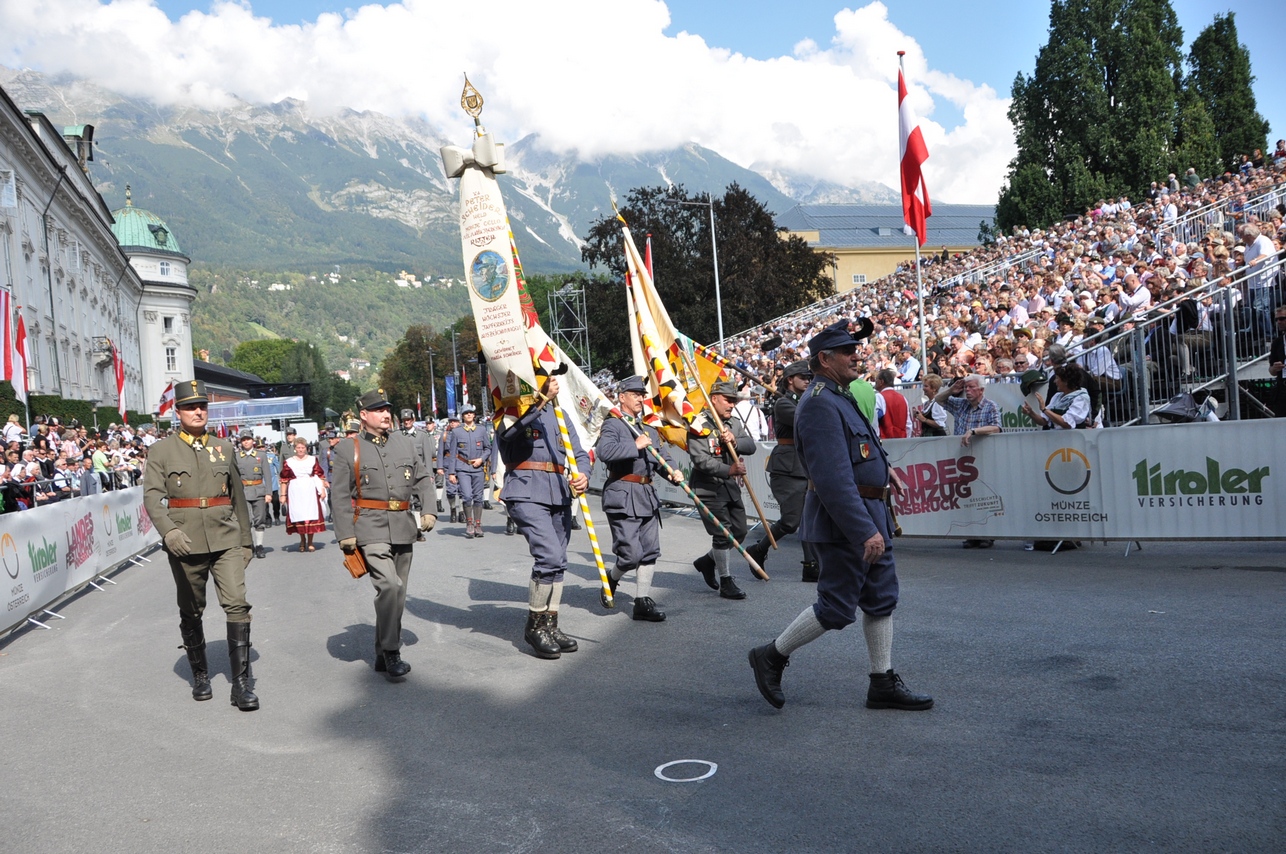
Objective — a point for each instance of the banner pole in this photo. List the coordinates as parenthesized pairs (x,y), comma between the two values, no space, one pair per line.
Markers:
(584,506)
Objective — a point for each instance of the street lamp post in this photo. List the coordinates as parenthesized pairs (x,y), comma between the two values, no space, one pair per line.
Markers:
(714,252)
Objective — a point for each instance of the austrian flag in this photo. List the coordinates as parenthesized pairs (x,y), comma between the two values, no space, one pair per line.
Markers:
(912,154)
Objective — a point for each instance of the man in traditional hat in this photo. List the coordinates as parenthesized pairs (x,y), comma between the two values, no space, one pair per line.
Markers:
(786,473)
(715,480)
(465,451)
(847,518)
(538,494)
(375,473)
(420,441)
(452,487)
(629,499)
(205,527)
(253,466)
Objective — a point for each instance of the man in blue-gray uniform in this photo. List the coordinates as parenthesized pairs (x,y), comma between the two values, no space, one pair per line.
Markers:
(786,472)
(716,481)
(465,451)
(629,499)
(538,494)
(848,520)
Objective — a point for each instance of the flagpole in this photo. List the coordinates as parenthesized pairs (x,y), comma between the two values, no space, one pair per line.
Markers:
(919,280)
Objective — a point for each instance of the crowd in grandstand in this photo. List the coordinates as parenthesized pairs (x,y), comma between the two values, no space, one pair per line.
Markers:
(996,309)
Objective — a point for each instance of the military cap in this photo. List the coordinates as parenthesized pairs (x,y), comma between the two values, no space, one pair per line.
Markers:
(634,384)
(190,391)
(246,435)
(797,369)
(468,407)
(727,388)
(373,400)
(408,414)
(353,426)
(837,335)
(453,417)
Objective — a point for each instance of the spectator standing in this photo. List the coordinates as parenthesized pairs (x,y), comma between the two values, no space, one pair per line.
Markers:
(974,415)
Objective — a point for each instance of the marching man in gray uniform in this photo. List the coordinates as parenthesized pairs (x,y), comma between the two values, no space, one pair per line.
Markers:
(252,464)
(629,499)
(452,487)
(715,482)
(370,505)
(538,494)
(847,517)
(465,451)
(786,472)
(421,442)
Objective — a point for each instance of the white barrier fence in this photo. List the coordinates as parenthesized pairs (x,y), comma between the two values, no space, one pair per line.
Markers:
(51,550)
(1199,481)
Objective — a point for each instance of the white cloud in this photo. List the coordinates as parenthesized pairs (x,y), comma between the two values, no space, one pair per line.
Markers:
(584,74)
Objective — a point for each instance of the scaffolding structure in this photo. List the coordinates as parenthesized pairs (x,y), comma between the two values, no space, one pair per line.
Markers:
(568,325)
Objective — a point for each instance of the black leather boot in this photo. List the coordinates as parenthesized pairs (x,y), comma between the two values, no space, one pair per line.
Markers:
(768,665)
(439,506)
(538,636)
(811,572)
(239,655)
(511,527)
(576,523)
(454,516)
(759,551)
(194,644)
(705,566)
(728,588)
(646,611)
(393,667)
(260,552)
(565,644)
(888,691)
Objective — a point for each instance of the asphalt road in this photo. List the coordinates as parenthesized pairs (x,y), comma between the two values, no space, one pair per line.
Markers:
(1085,702)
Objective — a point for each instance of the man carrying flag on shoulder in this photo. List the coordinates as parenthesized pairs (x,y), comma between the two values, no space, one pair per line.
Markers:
(716,482)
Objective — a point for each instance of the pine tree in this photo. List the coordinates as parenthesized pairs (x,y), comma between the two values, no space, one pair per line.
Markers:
(1222,80)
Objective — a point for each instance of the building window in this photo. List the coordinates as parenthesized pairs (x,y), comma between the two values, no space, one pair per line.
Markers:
(859,278)
(171,358)
(167,324)
(165,268)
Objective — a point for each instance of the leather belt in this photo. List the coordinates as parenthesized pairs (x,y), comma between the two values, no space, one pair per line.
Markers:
(532,465)
(878,493)
(785,441)
(632,478)
(462,458)
(252,482)
(393,504)
(217,501)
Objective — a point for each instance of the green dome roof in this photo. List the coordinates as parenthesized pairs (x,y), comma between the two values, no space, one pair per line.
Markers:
(137,228)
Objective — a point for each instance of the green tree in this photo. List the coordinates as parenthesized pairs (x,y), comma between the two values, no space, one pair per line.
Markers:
(1222,81)
(762,273)
(305,363)
(405,371)
(263,357)
(1196,145)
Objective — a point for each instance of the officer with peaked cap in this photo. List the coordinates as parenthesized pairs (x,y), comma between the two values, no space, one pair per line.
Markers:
(786,473)
(629,499)
(848,520)
(715,480)
(465,451)
(538,494)
(452,486)
(375,473)
(420,441)
(192,491)
(256,481)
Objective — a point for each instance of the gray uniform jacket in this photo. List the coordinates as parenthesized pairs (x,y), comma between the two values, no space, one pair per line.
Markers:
(470,444)
(784,459)
(177,470)
(390,471)
(841,451)
(254,466)
(616,448)
(711,461)
(420,441)
(534,438)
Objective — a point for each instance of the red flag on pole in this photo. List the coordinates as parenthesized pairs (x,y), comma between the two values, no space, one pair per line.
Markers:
(464,384)
(167,399)
(118,363)
(912,154)
(19,376)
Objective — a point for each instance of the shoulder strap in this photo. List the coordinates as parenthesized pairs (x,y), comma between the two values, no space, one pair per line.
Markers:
(357,474)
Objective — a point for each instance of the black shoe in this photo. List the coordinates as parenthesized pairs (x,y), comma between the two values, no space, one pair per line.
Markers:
(243,697)
(986,544)
(419,536)
(759,551)
(811,572)
(260,552)
(728,588)
(565,644)
(705,566)
(486,505)
(536,635)
(454,516)
(768,665)
(194,645)
(511,528)
(645,610)
(611,584)
(575,524)
(970,544)
(439,506)
(888,691)
(390,663)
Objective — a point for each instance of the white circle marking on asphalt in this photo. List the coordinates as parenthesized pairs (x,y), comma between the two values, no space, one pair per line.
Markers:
(661,768)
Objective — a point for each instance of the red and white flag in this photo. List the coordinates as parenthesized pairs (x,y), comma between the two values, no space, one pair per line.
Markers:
(167,399)
(118,363)
(19,360)
(912,153)
(464,385)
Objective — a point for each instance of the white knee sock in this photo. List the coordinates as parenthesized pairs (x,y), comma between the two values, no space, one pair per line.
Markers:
(538,596)
(555,596)
(804,629)
(256,537)
(643,577)
(616,573)
(879,642)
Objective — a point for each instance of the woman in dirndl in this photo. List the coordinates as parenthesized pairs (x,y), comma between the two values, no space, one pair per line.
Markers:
(302,492)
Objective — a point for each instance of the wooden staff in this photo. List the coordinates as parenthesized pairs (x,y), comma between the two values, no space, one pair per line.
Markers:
(584,506)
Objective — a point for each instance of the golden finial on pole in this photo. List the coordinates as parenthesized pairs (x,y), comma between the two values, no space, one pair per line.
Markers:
(471,101)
